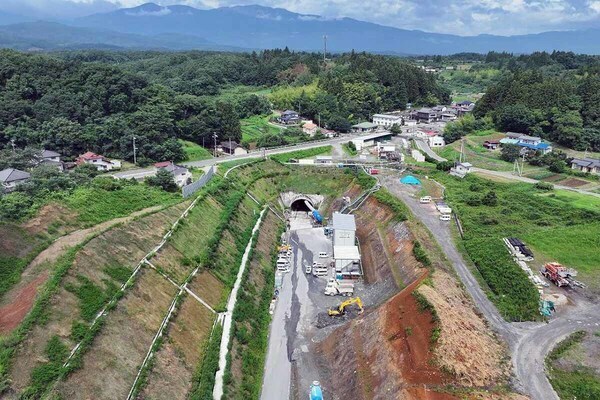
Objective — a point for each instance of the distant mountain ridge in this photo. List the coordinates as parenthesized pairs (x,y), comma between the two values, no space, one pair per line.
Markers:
(181,27)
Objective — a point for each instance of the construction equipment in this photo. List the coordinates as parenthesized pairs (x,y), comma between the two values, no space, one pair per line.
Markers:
(317,216)
(341,309)
(560,275)
(546,307)
(315,391)
(341,287)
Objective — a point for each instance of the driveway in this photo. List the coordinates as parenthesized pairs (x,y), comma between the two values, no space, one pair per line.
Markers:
(529,343)
(423,146)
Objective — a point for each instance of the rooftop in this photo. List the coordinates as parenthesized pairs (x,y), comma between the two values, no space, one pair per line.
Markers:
(344,221)
(11,175)
(346,253)
(587,162)
(49,154)
(374,136)
(91,156)
(365,125)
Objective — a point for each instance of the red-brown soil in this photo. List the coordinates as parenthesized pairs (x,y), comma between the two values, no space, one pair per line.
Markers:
(12,314)
(385,354)
(572,182)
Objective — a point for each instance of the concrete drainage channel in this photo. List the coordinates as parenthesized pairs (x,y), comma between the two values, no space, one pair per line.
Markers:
(227,316)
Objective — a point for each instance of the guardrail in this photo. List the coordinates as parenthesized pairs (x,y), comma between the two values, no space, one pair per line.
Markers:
(193,187)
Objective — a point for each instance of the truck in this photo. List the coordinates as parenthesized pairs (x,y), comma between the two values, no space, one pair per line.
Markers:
(319,269)
(343,288)
(317,216)
(282,264)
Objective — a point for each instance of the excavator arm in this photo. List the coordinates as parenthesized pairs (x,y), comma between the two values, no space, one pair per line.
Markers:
(341,309)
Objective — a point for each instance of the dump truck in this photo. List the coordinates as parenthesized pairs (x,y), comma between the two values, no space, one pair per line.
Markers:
(343,288)
(341,309)
(315,391)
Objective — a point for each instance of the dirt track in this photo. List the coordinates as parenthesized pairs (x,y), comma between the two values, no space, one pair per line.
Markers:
(17,302)
(529,343)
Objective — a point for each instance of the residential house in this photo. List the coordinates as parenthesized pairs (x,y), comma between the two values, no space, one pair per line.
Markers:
(364,127)
(310,128)
(387,120)
(10,178)
(232,148)
(181,175)
(425,115)
(289,117)
(100,162)
(447,116)
(587,165)
(463,107)
(436,141)
(50,158)
(526,142)
(491,144)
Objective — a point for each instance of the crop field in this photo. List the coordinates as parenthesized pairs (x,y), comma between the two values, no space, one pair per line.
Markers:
(490,211)
(255,127)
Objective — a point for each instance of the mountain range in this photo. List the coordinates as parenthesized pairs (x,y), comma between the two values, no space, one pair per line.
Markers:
(180,27)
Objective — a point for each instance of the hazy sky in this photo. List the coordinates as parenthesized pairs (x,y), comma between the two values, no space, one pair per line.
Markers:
(464,17)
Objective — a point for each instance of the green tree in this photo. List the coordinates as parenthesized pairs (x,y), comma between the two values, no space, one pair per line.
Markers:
(510,152)
(164,180)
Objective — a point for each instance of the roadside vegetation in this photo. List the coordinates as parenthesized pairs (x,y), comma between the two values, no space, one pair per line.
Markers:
(195,152)
(299,154)
(490,211)
(573,374)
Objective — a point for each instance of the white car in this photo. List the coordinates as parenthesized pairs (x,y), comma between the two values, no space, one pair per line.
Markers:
(308,268)
(445,217)
(323,254)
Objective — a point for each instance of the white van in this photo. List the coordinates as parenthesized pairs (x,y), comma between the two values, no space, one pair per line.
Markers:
(308,268)
(319,270)
(282,264)
(445,217)
(425,199)
(323,254)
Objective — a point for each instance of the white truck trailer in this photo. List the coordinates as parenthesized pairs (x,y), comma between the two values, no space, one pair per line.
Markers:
(342,288)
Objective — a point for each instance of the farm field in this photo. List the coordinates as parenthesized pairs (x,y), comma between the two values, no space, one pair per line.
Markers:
(490,211)
(253,128)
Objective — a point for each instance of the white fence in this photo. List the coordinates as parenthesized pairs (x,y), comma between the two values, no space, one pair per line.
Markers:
(193,187)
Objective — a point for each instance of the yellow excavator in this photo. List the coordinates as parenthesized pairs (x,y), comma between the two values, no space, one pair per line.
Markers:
(341,309)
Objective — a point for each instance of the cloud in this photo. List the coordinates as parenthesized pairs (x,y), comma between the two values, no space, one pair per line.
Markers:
(462,17)
(146,13)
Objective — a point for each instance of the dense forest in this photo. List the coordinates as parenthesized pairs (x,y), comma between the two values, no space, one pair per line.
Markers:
(552,95)
(95,100)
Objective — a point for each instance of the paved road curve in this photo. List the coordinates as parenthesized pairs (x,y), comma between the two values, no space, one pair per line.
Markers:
(529,343)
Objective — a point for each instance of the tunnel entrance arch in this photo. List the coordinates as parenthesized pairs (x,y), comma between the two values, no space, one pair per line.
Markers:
(302,204)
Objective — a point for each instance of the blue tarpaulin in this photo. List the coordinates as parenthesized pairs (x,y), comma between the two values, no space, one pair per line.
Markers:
(410,180)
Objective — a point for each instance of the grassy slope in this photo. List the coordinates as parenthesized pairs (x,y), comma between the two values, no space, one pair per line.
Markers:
(548,226)
(577,381)
(194,152)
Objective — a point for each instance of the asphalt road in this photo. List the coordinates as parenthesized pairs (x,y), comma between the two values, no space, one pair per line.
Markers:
(268,152)
(529,343)
(423,146)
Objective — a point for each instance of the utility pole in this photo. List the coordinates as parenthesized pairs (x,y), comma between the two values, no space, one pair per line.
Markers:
(324,49)
(12,143)
(134,152)
(230,149)
(215,137)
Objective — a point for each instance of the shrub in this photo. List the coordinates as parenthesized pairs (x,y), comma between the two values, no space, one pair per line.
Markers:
(420,254)
(546,186)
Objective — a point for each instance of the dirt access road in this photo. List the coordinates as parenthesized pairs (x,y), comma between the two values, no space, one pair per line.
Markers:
(529,343)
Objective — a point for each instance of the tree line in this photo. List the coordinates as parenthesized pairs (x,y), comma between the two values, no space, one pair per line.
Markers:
(73,102)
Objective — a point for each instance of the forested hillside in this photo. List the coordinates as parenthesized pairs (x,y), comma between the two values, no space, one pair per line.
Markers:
(552,95)
(99,101)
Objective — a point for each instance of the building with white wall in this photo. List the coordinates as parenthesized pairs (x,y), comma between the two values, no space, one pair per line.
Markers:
(387,120)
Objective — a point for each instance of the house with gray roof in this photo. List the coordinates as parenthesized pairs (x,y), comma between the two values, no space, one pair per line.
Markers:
(50,158)
(587,165)
(11,177)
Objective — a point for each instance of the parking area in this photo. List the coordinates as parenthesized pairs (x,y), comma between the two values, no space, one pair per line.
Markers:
(290,367)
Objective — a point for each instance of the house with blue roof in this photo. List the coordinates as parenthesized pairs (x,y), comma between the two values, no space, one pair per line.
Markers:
(527,142)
